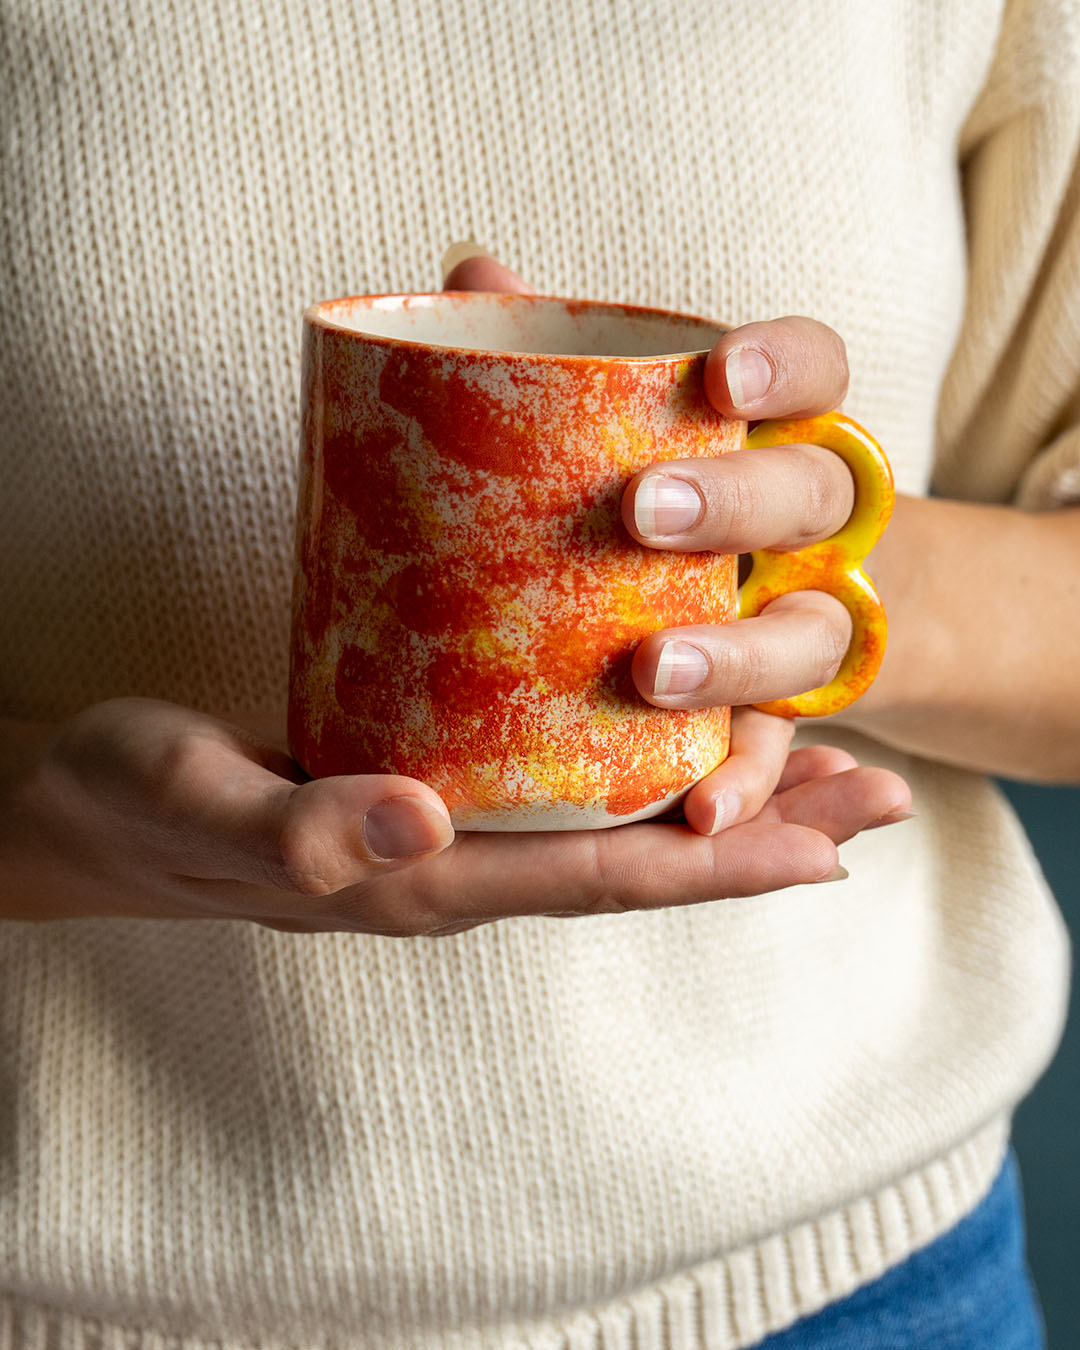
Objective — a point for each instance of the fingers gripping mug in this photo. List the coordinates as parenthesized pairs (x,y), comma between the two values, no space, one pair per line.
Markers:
(467,600)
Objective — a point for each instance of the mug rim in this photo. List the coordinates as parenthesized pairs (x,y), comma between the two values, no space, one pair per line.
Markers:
(315,316)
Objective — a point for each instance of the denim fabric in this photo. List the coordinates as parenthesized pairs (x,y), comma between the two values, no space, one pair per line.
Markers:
(969,1290)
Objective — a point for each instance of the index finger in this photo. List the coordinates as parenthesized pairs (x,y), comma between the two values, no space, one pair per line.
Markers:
(789,367)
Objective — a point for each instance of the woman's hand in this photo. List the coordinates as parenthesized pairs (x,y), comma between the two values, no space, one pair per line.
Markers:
(141,808)
(785,497)
(982,664)
(146,809)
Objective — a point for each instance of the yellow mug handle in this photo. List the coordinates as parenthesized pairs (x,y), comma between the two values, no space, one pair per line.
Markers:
(833,565)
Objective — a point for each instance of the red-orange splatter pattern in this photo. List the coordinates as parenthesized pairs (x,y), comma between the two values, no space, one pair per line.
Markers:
(467,599)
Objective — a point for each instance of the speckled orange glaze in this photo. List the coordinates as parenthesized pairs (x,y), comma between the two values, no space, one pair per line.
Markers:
(467,600)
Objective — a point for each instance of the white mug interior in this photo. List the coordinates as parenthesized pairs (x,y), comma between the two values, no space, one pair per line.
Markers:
(521,325)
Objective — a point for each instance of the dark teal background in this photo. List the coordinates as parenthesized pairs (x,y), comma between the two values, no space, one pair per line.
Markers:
(1047,1128)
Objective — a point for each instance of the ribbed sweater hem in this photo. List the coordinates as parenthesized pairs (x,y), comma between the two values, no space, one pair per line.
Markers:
(723,1304)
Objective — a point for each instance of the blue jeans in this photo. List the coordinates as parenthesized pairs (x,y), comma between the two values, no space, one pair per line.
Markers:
(969,1290)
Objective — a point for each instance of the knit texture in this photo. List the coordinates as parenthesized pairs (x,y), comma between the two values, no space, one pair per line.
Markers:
(682,1128)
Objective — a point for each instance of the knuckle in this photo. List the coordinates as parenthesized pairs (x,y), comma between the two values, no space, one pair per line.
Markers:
(824,488)
(733,510)
(179,765)
(738,670)
(300,860)
(819,494)
(814,486)
(613,881)
(829,647)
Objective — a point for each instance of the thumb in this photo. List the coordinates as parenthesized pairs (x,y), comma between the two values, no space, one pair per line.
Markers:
(336,832)
(468,267)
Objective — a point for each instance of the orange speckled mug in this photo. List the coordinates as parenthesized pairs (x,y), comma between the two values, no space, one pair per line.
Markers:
(467,600)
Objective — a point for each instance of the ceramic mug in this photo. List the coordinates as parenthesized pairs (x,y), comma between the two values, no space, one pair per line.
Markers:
(467,600)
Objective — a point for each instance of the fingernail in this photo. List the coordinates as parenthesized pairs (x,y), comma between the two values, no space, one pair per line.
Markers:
(457,253)
(679,669)
(748,376)
(664,505)
(402,827)
(893,818)
(728,806)
(841,874)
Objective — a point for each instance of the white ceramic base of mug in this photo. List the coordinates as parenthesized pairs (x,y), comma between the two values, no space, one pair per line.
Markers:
(558,816)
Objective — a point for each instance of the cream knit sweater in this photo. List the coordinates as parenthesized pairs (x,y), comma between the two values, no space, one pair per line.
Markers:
(672,1129)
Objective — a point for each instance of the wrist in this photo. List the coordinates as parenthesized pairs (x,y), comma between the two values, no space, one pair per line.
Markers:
(983,651)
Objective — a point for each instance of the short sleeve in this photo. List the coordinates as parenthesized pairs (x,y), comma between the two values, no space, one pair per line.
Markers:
(1009,416)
